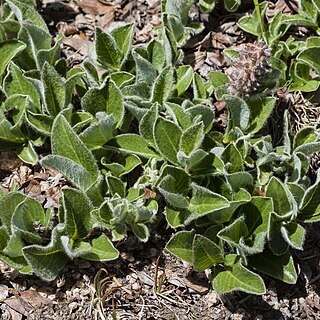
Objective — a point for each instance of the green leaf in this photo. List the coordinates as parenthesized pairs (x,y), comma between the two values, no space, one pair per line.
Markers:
(145,72)
(261,109)
(131,143)
(163,86)
(279,194)
(123,38)
(26,214)
(36,39)
(9,136)
(24,12)
(234,231)
(275,240)
(147,123)
(156,54)
(115,103)
(115,186)
(178,8)
(102,250)
(108,53)
(184,78)
(16,83)
(205,253)
(174,218)
(54,90)
(207,115)
(74,249)
(257,214)
(232,5)
(207,5)
(8,204)
(239,112)
(94,101)
(179,115)
(99,133)
(141,231)
(168,189)
(233,276)
(310,205)
(191,139)
(249,23)
(122,78)
(232,158)
(304,136)
(46,262)
(199,90)
(77,208)
(180,245)
(14,246)
(67,144)
(8,50)
(294,234)
(224,215)
(71,170)
(203,202)
(311,57)
(279,267)
(167,138)
(27,153)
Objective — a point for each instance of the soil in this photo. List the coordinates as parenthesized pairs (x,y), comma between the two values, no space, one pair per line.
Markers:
(146,282)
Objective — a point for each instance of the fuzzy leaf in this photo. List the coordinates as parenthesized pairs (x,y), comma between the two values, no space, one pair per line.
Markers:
(71,170)
(261,109)
(25,12)
(145,72)
(203,202)
(8,203)
(27,153)
(77,208)
(180,245)
(108,53)
(191,138)
(233,276)
(184,78)
(46,262)
(234,231)
(67,144)
(277,191)
(141,231)
(167,138)
(239,112)
(279,267)
(131,143)
(54,89)
(17,83)
(147,123)
(163,86)
(100,132)
(8,50)
(205,253)
(123,38)
(294,234)
(114,102)
(102,250)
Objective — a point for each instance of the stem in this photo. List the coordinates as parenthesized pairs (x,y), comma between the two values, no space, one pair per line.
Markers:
(262,27)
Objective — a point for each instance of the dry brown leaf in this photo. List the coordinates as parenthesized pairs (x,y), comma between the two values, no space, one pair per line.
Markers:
(199,287)
(24,303)
(80,45)
(96,7)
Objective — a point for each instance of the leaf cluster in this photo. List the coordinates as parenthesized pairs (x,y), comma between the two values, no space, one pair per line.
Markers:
(141,146)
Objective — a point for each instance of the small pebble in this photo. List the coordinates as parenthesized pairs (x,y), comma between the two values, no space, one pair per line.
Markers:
(4,291)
